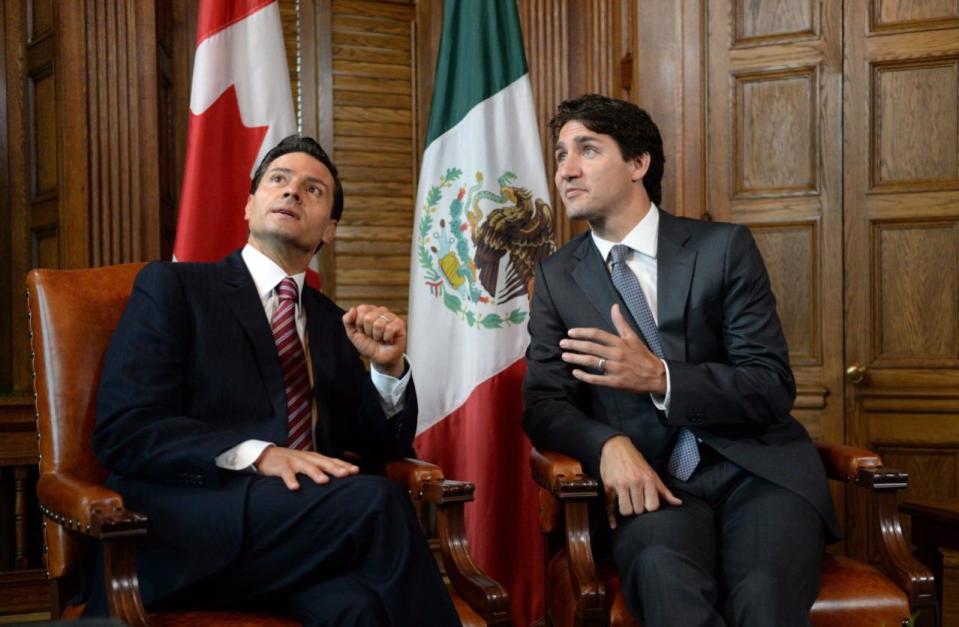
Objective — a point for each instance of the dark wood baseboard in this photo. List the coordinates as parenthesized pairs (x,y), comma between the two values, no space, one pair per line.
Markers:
(24,591)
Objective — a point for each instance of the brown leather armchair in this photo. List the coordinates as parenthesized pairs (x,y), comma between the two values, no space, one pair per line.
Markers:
(853,593)
(72,316)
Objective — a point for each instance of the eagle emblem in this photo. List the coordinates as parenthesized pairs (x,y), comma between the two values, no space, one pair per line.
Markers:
(482,253)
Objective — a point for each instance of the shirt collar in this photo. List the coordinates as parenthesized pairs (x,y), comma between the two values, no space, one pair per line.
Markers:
(267,274)
(644,237)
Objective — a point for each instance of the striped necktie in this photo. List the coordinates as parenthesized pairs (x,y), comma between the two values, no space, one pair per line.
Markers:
(685,456)
(296,377)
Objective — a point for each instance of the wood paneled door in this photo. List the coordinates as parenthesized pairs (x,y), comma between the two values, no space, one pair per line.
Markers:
(901,214)
(773,146)
(832,130)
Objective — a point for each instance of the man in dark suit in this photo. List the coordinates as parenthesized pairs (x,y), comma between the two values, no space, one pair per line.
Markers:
(658,361)
(231,393)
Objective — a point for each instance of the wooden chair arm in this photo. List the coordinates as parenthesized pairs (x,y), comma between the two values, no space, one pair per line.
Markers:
(426,484)
(863,469)
(411,473)
(87,508)
(881,486)
(561,476)
(98,512)
(844,462)
(485,595)
(564,503)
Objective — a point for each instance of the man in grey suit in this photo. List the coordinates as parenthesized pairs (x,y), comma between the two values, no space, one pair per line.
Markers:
(658,361)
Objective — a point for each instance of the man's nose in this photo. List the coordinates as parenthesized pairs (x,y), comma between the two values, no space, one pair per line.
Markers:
(292,193)
(568,168)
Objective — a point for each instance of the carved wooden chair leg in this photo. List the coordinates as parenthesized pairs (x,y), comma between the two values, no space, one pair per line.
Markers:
(896,554)
(486,596)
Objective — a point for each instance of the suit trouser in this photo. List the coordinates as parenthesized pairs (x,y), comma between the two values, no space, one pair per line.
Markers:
(739,551)
(350,552)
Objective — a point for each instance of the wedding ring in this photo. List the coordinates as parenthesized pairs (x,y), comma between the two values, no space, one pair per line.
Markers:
(384,317)
(601,366)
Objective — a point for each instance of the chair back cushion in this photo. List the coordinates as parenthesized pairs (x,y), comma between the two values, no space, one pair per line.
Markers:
(72,316)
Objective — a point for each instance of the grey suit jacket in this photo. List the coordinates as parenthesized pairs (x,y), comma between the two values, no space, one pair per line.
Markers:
(729,367)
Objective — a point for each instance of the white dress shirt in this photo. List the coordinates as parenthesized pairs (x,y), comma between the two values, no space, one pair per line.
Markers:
(643,242)
(266,276)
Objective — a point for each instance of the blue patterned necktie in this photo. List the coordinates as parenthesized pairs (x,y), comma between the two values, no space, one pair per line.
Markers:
(685,456)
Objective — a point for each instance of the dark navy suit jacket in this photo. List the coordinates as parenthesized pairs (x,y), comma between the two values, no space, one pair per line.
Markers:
(730,379)
(192,371)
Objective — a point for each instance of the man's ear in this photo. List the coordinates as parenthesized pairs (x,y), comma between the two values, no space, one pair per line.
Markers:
(640,165)
(330,233)
(248,208)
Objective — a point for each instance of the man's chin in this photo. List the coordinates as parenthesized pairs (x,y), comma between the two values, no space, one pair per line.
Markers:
(578,213)
(278,238)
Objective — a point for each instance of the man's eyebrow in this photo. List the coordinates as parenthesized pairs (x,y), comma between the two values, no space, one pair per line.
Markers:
(309,179)
(579,139)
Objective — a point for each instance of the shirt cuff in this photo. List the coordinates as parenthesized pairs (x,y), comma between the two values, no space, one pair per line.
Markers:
(392,390)
(662,402)
(242,456)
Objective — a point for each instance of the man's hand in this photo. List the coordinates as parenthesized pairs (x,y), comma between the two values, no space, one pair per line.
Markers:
(285,463)
(624,360)
(378,334)
(629,481)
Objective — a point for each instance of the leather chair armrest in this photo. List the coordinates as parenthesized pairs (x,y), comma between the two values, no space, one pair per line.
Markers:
(86,507)
(863,469)
(843,463)
(98,512)
(561,475)
(412,473)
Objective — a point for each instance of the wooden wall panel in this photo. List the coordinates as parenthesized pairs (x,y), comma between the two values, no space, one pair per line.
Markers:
(912,14)
(772,132)
(768,20)
(83,162)
(373,127)
(774,110)
(901,209)
(915,125)
(124,201)
(792,259)
(916,282)
(664,55)
(43,129)
(6,221)
(40,18)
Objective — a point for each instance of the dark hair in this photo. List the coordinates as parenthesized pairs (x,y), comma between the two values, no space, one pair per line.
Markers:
(631,127)
(300,143)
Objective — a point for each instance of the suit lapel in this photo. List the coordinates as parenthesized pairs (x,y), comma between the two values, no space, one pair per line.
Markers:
(591,275)
(240,294)
(322,364)
(674,268)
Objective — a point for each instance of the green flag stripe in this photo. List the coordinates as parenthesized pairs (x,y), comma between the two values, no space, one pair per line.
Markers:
(481,52)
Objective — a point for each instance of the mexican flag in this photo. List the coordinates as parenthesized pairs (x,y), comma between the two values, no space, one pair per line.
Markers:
(241,105)
(482,223)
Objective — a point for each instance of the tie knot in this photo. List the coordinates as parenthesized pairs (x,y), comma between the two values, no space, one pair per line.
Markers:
(618,253)
(286,289)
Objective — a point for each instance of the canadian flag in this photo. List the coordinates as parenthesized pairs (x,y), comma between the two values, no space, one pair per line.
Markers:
(240,106)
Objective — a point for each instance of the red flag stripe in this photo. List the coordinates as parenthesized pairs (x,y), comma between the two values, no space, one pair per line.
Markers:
(216,15)
(503,521)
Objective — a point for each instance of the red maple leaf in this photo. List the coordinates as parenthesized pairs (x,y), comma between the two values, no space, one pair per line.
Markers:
(216,181)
